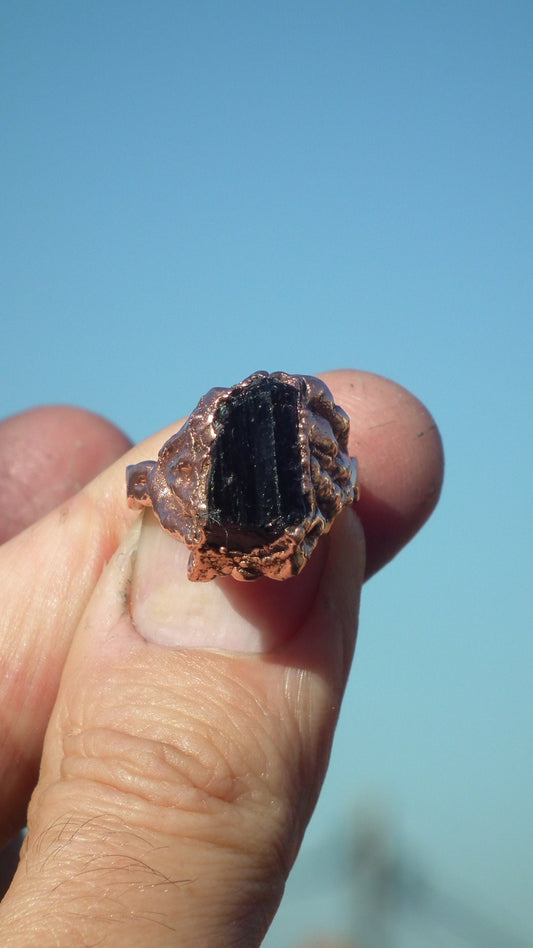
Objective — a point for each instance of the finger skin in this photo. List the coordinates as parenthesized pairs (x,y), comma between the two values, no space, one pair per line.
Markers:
(401,460)
(176,783)
(50,570)
(47,454)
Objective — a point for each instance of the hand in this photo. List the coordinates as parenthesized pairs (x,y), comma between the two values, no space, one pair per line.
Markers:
(176,782)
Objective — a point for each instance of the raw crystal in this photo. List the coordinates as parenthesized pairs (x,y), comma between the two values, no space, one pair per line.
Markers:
(254,489)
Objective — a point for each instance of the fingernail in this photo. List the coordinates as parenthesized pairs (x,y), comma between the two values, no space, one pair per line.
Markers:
(168,609)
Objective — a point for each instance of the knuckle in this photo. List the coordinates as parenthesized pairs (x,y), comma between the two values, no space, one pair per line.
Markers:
(188,776)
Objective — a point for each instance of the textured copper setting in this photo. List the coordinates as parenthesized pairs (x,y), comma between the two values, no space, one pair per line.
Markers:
(253,478)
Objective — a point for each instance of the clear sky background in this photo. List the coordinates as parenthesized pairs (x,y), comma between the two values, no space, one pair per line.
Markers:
(195,190)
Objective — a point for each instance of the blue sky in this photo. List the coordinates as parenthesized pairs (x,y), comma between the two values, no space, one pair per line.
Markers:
(195,190)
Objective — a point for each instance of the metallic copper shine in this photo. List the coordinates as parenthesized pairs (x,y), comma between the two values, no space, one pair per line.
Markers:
(176,484)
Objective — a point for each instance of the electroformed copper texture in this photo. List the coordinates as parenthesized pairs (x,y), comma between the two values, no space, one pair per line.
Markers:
(253,478)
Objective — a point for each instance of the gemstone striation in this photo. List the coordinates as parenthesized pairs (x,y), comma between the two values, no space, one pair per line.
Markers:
(254,489)
(253,478)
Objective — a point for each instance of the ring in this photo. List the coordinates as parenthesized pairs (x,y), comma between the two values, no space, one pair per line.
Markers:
(253,478)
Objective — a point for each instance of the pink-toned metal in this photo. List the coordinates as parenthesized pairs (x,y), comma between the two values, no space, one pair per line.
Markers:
(176,485)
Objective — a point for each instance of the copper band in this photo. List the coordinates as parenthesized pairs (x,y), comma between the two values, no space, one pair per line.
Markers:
(253,478)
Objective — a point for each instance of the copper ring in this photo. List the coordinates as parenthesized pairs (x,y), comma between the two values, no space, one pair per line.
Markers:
(253,478)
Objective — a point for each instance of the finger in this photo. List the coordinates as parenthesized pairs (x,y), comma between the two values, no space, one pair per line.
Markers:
(401,460)
(50,570)
(177,781)
(47,454)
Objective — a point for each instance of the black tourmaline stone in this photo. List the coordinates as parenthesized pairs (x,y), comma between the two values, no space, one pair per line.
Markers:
(255,484)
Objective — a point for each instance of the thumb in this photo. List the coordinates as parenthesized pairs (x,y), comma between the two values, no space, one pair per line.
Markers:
(186,749)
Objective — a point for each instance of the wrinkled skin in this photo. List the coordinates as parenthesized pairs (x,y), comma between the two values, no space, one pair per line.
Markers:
(255,733)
